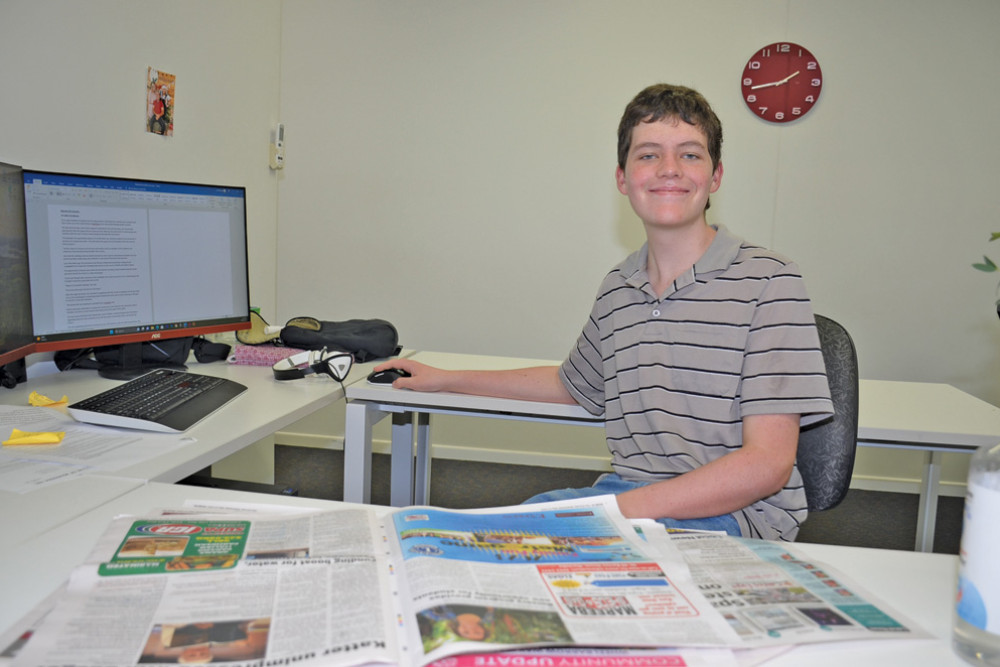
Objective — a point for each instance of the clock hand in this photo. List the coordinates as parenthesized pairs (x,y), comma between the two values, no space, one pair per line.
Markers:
(777,83)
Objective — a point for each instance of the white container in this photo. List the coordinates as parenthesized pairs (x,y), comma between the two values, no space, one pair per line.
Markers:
(976,630)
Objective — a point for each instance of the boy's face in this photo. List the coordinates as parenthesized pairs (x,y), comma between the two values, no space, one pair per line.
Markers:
(668,173)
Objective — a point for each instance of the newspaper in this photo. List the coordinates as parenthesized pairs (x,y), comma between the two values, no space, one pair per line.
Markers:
(416,585)
(85,450)
(771,596)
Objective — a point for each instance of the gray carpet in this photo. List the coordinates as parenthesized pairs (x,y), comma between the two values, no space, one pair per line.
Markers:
(864,518)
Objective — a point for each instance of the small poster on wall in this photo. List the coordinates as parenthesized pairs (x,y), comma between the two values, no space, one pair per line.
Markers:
(160,102)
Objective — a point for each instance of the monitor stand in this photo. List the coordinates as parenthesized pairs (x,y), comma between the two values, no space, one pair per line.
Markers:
(131,364)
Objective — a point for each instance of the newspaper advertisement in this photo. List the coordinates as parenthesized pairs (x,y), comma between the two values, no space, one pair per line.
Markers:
(416,585)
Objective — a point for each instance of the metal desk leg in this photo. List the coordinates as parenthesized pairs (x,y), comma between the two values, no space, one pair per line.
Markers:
(927,513)
(360,417)
(410,470)
(422,481)
(401,461)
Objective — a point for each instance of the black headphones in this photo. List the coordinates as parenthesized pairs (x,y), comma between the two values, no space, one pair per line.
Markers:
(336,364)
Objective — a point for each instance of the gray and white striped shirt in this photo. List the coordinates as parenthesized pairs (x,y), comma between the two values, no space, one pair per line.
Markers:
(675,374)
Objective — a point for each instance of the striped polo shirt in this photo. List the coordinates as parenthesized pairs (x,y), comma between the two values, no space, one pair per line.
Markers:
(674,374)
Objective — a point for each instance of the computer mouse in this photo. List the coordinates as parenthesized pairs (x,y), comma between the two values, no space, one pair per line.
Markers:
(387,376)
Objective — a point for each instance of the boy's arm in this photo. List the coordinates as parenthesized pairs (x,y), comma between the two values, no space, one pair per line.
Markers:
(760,468)
(539,383)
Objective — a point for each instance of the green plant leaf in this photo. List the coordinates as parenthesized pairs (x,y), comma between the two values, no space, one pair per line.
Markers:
(986,265)
(994,236)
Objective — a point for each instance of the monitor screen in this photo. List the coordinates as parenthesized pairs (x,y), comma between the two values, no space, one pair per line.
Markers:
(121,261)
(16,340)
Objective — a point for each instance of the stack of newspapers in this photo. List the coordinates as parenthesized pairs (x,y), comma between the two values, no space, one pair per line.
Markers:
(553,584)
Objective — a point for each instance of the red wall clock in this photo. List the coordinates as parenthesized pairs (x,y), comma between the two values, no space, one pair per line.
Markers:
(781,82)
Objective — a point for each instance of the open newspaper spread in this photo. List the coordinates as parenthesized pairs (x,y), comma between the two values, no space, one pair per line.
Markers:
(356,585)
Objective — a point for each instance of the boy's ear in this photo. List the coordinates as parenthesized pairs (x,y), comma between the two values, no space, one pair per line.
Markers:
(620,180)
(717,177)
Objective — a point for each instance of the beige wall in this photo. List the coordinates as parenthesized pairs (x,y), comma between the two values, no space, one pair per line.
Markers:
(72,96)
(449,167)
(449,163)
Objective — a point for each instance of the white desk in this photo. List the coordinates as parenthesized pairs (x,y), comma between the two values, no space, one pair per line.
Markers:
(929,417)
(410,477)
(920,585)
(266,407)
(25,515)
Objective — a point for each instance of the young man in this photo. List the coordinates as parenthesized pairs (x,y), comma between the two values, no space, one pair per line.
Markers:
(701,350)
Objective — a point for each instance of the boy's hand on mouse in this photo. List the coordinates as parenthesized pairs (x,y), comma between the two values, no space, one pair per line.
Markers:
(422,377)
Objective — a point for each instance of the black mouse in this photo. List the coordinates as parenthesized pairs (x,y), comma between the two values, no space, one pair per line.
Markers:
(387,376)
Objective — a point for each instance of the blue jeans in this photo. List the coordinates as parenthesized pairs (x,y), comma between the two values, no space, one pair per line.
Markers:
(611,483)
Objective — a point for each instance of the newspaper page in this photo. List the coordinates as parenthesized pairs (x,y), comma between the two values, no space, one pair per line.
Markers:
(84,450)
(310,589)
(558,574)
(771,596)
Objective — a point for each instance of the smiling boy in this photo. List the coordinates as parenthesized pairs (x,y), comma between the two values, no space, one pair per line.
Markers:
(700,351)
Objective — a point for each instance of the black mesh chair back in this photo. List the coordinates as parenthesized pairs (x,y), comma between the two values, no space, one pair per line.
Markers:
(827,448)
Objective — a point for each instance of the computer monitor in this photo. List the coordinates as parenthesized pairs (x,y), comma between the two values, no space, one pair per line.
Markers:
(128,262)
(16,341)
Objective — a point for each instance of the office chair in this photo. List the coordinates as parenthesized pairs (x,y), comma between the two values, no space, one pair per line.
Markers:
(826,449)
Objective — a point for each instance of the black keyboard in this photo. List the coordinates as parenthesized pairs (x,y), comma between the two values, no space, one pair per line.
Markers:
(162,400)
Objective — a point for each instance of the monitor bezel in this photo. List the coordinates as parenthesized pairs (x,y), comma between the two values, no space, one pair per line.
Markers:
(20,352)
(92,339)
